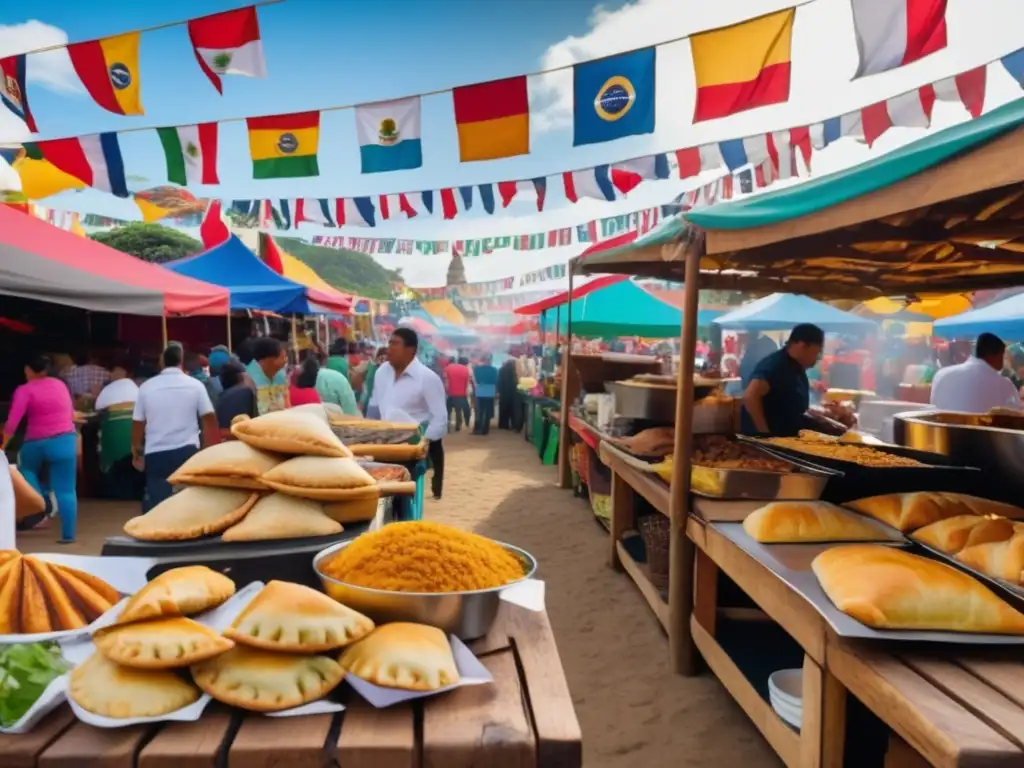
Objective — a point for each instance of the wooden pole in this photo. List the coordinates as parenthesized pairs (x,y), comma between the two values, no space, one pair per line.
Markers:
(681,549)
(163,330)
(564,469)
(227,319)
(295,338)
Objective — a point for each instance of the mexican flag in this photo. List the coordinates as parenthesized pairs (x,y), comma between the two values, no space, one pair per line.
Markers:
(191,152)
(228,44)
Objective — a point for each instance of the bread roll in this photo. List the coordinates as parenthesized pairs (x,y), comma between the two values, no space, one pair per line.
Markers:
(955,533)
(999,559)
(806,521)
(889,588)
(910,511)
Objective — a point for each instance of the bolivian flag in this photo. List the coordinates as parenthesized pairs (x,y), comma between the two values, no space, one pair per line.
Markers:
(743,66)
(109,70)
(284,146)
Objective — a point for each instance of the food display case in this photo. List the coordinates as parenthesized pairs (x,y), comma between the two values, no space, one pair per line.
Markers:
(994,443)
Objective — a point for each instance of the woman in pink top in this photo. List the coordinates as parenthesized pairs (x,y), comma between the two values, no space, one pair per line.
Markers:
(44,403)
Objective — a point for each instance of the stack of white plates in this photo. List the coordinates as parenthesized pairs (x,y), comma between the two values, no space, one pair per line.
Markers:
(785,692)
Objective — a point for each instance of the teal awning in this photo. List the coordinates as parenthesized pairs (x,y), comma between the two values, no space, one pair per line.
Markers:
(622,309)
(826,191)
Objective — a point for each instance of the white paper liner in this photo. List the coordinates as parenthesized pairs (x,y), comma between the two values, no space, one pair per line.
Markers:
(119,574)
(52,697)
(471,672)
(528,594)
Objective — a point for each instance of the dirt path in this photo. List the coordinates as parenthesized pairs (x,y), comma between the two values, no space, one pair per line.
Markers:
(633,711)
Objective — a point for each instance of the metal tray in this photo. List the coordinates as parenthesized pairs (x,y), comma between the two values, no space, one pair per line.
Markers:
(808,483)
(792,564)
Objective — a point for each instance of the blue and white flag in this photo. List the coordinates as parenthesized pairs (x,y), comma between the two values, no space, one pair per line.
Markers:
(389,135)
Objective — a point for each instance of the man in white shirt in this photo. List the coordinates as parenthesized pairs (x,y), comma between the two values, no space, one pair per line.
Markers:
(121,389)
(976,386)
(165,425)
(405,389)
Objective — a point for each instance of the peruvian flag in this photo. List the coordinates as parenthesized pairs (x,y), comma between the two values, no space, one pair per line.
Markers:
(228,44)
(530,189)
(213,230)
(893,33)
(393,206)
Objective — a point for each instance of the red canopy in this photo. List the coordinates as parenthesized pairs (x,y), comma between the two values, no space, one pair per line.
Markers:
(563,298)
(40,261)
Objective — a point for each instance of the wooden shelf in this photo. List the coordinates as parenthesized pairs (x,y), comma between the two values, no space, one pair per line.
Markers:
(649,486)
(638,573)
(783,739)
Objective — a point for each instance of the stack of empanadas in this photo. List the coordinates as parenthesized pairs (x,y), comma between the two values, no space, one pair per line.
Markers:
(278,662)
(413,657)
(349,493)
(37,596)
(132,672)
(278,516)
(192,513)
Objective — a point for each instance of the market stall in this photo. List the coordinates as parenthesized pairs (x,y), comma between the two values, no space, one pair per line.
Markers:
(224,639)
(941,213)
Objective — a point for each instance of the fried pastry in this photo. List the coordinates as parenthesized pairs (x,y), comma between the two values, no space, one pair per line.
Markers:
(278,516)
(999,559)
(110,690)
(192,513)
(262,681)
(956,533)
(413,657)
(95,583)
(808,521)
(90,603)
(910,511)
(160,644)
(10,597)
(64,613)
(322,478)
(231,464)
(292,431)
(291,617)
(178,592)
(34,615)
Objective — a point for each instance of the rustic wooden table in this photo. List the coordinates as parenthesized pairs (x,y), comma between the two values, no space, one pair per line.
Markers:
(525,719)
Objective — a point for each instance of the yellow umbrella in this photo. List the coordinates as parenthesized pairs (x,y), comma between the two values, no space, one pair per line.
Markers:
(936,307)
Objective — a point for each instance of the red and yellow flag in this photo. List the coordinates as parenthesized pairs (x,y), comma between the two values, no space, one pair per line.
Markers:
(743,66)
(109,70)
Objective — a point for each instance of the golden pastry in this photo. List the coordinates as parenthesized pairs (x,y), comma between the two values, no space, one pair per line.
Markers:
(321,478)
(291,431)
(160,644)
(34,616)
(178,592)
(999,559)
(66,615)
(192,513)
(278,516)
(262,681)
(889,588)
(955,533)
(808,521)
(291,617)
(231,464)
(110,690)
(413,657)
(910,511)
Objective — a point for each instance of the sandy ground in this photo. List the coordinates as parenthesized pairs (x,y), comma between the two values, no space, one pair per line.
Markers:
(633,711)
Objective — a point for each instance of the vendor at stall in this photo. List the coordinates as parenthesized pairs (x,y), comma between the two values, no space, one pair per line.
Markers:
(778,394)
(977,385)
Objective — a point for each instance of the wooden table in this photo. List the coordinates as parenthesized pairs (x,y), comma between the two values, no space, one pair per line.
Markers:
(525,719)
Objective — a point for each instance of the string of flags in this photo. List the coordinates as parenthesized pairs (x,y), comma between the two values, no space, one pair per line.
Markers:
(191,153)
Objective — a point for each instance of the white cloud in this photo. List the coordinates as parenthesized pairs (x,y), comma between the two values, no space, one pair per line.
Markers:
(51,70)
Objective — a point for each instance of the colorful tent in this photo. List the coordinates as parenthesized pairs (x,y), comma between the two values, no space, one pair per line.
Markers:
(253,284)
(562,297)
(622,309)
(300,272)
(782,311)
(1004,318)
(444,310)
(40,261)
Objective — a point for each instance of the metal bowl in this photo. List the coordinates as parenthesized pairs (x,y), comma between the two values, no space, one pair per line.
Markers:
(467,615)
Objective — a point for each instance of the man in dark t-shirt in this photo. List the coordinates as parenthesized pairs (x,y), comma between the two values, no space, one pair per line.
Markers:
(237,398)
(777,397)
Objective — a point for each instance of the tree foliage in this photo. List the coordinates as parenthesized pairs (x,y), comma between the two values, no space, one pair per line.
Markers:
(348,271)
(150,242)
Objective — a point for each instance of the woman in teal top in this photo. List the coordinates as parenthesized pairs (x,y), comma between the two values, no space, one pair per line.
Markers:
(485,386)
(338,360)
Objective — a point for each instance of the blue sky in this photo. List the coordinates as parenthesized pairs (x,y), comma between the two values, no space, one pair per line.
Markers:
(326,52)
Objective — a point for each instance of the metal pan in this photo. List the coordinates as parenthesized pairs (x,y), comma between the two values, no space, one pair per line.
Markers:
(808,482)
(792,564)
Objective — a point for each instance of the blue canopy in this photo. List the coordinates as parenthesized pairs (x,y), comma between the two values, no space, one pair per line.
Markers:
(447,329)
(782,311)
(1004,318)
(622,309)
(253,285)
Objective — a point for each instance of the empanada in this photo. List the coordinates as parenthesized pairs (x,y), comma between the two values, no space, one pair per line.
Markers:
(7,555)
(352,510)
(322,478)
(808,521)
(178,592)
(413,657)
(292,431)
(231,464)
(999,559)
(955,533)
(160,644)
(111,690)
(282,517)
(90,603)
(95,583)
(64,613)
(263,681)
(291,617)
(10,596)
(192,513)
(34,616)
